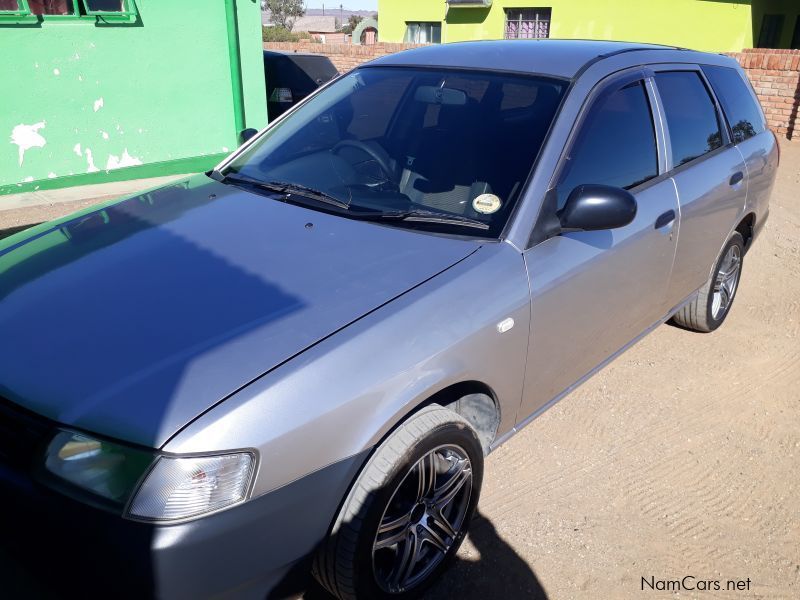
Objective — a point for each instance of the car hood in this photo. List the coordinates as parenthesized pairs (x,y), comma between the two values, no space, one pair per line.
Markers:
(132,319)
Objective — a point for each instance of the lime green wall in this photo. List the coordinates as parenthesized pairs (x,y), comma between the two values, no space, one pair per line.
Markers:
(711,25)
(155,94)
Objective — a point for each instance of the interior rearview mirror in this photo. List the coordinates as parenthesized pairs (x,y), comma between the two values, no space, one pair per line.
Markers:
(431,94)
(595,207)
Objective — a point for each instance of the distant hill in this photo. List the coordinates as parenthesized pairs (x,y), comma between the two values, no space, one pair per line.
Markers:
(334,10)
(329,12)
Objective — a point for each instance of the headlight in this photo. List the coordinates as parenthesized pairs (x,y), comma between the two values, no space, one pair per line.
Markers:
(175,488)
(108,470)
(180,488)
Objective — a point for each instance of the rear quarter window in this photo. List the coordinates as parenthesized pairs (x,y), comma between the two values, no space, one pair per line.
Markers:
(741,110)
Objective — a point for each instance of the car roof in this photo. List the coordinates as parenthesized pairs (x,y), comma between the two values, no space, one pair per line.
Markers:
(560,58)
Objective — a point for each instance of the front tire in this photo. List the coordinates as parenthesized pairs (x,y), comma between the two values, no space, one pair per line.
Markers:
(713,302)
(407,512)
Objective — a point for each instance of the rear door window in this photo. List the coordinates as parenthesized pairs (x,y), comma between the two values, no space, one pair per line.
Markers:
(616,145)
(743,114)
(694,128)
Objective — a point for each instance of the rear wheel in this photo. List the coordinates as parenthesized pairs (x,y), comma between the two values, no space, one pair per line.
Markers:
(713,303)
(407,512)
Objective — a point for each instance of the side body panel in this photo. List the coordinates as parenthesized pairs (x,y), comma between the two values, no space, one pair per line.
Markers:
(760,154)
(594,292)
(345,393)
(710,208)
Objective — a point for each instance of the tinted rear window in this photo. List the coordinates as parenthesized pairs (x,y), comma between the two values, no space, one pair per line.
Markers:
(743,115)
(691,115)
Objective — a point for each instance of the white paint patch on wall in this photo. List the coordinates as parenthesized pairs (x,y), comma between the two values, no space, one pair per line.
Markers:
(51,175)
(77,149)
(27,137)
(126,160)
(56,72)
(90,161)
(28,179)
(98,104)
(104,134)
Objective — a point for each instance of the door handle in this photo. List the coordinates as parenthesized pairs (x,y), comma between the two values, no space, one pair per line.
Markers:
(665,219)
(736,178)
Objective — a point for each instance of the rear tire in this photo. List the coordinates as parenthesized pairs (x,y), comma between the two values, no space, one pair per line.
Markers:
(393,515)
(713,302)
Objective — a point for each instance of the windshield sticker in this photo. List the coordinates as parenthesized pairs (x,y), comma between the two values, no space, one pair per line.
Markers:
(486,204)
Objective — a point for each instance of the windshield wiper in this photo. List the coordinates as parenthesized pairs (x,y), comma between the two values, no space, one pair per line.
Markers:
(307,192)
(285,189)
(424,216)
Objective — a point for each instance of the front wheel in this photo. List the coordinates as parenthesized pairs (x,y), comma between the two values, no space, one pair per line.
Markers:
(713,303)
(408,511)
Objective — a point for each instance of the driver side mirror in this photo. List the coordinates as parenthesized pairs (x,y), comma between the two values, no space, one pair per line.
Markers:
(247,134)
(596,207)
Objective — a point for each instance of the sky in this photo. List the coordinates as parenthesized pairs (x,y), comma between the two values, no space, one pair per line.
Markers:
(348,4)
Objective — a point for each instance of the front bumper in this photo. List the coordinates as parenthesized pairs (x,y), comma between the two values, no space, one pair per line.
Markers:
(248,551)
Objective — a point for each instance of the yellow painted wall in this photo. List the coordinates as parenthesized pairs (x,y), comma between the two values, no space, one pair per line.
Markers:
(710,25)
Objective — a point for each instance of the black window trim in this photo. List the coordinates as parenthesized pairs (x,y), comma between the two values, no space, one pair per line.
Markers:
(722,123)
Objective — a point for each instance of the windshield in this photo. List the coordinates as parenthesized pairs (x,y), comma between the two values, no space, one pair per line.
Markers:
(390,141)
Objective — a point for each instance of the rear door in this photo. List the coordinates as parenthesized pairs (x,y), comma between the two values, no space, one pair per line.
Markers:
(593,292)
(708,171)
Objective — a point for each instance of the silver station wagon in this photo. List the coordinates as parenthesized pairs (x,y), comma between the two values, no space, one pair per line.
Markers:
(298,361)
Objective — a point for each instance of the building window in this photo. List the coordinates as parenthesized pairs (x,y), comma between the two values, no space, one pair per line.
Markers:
(527,23)
(100,6)
(81,8)
(796,36)
(770,36)
(423,33)
(14,7)
(39,7)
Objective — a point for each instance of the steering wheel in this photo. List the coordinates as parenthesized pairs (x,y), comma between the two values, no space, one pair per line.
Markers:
(379,155)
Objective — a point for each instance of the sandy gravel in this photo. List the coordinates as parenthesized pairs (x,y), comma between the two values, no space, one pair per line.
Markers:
(682,458)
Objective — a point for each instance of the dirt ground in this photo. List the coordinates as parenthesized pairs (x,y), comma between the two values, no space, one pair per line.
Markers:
(682,458)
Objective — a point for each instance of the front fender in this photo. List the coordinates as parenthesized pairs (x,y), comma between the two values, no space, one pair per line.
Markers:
(344,394)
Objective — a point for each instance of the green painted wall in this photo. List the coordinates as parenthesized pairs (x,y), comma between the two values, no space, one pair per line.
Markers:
(710,25)
(89,99)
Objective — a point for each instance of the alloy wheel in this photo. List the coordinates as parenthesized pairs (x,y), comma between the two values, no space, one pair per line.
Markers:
(423,519)
(726,282)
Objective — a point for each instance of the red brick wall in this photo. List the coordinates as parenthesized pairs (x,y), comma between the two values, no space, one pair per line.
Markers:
(775,74)
(344,56)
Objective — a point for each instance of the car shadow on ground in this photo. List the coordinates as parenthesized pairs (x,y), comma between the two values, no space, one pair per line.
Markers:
(499,572)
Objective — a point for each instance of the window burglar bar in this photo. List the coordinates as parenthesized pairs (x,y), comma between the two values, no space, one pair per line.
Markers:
(527,23)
